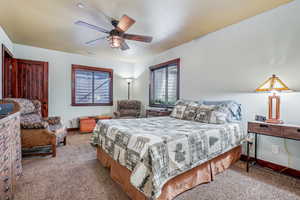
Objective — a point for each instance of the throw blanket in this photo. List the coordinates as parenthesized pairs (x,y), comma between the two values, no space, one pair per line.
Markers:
(158,149)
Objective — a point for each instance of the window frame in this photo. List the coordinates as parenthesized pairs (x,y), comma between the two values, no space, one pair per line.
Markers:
(94,69)
(151,80)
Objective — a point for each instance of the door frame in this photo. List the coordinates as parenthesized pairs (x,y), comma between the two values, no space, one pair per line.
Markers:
(4,51)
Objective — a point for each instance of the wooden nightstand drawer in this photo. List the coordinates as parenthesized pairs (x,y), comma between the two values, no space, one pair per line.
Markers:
(266,129)
(291,132)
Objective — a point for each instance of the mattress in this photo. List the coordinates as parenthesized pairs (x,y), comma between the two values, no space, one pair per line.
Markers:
(158,149)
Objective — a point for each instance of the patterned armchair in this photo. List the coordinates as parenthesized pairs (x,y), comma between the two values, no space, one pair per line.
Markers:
(128,109)
(38,132)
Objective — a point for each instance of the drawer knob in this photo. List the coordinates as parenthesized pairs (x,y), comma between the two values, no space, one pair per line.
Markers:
(6,179)
(6,189)
(263,126)
(298,130)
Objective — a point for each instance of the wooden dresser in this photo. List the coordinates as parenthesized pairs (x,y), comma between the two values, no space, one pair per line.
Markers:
(10,155)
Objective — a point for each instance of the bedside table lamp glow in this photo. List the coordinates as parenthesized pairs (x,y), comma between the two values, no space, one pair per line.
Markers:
(273,85)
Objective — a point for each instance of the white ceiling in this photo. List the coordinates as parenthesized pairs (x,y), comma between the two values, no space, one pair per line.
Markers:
(50,23)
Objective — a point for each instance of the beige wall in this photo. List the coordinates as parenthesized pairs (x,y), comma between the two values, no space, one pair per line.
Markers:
(232,62)
(60,80)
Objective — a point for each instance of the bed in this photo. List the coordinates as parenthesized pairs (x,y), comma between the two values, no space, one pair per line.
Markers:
(161,157)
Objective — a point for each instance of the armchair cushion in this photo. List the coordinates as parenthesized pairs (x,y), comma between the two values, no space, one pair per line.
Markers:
(129,104)
(35,125)
(32,121)
(128,108)
(129,112)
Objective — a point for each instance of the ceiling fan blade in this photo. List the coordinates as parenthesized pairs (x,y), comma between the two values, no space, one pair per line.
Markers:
(97,28)
(140,38)
(125,23)
(92,41)
(124,46)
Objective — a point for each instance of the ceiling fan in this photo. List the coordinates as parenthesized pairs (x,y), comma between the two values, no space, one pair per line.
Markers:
(117,36)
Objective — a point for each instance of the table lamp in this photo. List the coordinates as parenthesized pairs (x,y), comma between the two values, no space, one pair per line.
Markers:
(273,85)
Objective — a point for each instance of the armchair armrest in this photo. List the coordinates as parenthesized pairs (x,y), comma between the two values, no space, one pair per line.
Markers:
(53,120)
(117,114)
(138,114)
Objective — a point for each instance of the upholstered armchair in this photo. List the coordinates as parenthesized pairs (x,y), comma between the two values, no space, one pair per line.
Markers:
(128,109)
(38,132)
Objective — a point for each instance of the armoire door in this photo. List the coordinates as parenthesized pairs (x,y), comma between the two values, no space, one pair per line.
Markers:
(32,81)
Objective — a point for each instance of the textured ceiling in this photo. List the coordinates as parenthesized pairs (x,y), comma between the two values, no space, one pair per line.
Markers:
(50,23)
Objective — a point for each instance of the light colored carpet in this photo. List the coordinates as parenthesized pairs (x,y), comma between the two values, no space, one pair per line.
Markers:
(75,174)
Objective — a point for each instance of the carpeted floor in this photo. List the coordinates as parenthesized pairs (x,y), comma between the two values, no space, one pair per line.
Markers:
(75,174)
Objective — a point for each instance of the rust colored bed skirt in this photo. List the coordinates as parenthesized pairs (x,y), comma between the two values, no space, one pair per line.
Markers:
(204,173)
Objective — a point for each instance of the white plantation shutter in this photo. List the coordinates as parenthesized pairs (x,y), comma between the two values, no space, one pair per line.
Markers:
(172,84)
(164,88)
(160,85)
(84,86)
(92,87)
(102,87)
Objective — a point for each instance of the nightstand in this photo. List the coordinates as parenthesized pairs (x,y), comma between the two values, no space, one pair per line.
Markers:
(87,124)
(157,113)
(285,131)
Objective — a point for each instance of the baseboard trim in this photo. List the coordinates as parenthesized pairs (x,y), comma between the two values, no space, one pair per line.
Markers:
(274,167)
(72,129)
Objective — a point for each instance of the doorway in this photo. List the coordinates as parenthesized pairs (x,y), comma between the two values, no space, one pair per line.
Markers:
(25,79)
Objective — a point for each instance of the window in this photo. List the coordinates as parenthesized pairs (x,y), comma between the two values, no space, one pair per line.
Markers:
(164,84)
(91,86)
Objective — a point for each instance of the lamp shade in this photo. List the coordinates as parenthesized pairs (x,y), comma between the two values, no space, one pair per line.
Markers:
(273,84)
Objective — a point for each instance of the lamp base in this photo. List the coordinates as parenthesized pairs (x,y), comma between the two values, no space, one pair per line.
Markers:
(274,121)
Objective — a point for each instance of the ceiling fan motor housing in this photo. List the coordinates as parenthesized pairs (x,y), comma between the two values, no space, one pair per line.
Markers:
(115,23)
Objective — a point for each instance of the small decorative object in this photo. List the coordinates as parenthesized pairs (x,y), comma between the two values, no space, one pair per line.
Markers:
(273,85)
(260,118)
(6,108)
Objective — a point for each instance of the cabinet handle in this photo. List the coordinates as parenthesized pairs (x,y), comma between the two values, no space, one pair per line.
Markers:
(298,130)
(264,126)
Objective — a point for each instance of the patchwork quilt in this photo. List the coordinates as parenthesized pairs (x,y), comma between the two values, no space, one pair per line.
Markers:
(160,148)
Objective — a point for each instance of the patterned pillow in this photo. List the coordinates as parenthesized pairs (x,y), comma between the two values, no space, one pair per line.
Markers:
(190,111)
(210,115)
(232,108)
(178,111)
(35,125)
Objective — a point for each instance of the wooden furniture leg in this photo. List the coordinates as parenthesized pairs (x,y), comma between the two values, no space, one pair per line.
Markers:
(53,150)
(65,141)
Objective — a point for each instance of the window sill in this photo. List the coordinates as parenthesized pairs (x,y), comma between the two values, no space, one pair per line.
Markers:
(160,106)
(92,104)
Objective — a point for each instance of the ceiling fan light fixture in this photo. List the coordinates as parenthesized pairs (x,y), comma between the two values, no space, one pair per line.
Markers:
(115,41)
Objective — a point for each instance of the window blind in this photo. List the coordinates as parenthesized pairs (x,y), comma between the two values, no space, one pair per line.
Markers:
(164,85)
(92,87)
